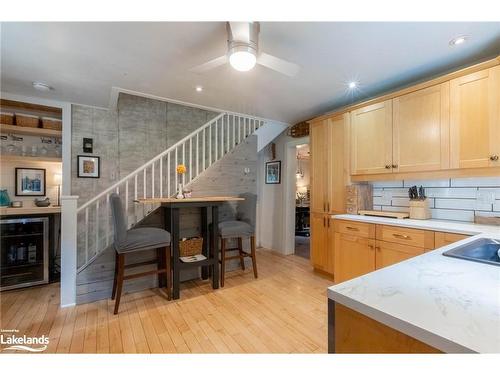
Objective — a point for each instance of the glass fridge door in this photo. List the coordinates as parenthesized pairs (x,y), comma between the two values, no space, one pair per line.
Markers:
(23,252)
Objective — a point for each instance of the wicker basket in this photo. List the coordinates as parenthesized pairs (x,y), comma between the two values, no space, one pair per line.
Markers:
(29,121)
(191,246)
(6,118)
(51,123)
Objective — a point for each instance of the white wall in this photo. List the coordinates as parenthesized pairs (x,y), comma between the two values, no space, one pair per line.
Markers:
(271,211)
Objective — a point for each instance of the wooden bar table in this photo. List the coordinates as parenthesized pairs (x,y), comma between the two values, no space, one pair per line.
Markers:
(172,206)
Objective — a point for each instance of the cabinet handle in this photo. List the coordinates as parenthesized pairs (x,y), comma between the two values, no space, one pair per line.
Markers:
(353,228)
(388,166)
(324,207)
(394,165)
(370,246)
(328,207)
(324,221)
(494,157)
(377,248)
(402,236)
(328,222)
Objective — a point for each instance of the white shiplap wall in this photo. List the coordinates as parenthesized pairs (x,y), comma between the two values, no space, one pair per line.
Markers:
(450,199)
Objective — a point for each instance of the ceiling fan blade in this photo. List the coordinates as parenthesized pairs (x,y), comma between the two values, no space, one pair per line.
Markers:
(280,65)
(210,64)
(240,31)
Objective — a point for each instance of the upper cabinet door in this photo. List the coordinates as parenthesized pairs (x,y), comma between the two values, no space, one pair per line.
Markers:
(338,163)
(371,139)
(421,130)
(319,170)
(474,119)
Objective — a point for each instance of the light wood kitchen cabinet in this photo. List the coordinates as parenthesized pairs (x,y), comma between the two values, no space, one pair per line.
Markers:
(322,242)
(329,166)
(371,139)
(319,154)
(421,130)
(354,256)
(388,253)
(475,119)
(442,238)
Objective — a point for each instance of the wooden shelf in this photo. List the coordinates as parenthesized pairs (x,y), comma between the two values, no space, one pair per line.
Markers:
(30,159)
(8,211)
(8,129)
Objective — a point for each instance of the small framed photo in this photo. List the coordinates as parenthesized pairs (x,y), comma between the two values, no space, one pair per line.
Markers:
(88,166)
(273,172)
(30,182)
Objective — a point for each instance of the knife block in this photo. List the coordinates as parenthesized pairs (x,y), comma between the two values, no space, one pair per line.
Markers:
(419,209)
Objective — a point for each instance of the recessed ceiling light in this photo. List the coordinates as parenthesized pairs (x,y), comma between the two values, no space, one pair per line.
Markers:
(458,40)
(41,86)
(352,85)
(199,88)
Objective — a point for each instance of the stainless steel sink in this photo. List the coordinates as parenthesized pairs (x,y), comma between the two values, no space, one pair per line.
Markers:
(483,250)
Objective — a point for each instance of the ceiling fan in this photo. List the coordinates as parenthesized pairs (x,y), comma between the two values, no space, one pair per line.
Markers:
(243,52)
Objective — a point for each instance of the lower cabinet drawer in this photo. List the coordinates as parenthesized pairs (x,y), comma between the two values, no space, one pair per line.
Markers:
(406,236)
(388,253)
(355,228)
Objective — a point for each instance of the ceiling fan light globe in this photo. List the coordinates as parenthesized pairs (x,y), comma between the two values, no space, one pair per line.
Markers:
(242,61)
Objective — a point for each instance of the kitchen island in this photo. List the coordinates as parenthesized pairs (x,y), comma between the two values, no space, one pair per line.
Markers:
(429,303)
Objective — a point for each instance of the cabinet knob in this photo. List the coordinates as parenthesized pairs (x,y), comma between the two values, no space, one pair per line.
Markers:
(394,165)
(388,166)
(494,157)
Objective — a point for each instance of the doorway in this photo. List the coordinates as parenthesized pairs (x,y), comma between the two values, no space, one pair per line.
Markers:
(302,197)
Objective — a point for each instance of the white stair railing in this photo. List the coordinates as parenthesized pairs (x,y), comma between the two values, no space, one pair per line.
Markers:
(158,178)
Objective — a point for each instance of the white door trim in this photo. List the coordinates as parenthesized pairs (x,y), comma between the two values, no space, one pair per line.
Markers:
(289,189)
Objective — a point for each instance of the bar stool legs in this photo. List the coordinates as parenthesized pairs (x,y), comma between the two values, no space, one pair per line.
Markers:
(241,256)
(164,272)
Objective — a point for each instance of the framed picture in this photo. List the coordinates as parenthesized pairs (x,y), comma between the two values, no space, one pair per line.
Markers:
(30,182)
(273,172)
(88,166)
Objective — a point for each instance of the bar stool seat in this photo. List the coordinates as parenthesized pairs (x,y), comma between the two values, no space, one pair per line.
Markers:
(242,227)
(133,241)
(140,239)
(235,228)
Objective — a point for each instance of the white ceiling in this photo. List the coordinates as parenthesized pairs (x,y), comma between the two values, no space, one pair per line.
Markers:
(82,61)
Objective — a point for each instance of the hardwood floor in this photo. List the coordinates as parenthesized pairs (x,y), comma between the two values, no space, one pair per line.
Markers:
(283,311)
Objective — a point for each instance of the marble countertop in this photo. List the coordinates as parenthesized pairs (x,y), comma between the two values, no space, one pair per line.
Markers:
(448,303)
(436,225)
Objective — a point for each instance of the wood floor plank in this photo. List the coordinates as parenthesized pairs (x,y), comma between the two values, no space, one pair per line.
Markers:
(283,311)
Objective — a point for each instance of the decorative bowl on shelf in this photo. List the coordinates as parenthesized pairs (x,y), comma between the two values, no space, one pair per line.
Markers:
(39,202)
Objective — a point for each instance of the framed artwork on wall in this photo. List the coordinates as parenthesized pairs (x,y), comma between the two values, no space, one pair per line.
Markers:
(88,166)
(273,172)
(30,182)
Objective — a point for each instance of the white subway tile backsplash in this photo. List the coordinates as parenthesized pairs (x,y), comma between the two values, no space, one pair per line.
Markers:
(458,215)
(401,202)
(496,206)
(455,199)
(451,192)
(399,193)
(494,191)
(388,184)
(427,183)
(377,208)
(381,201)
(476,181)
(462,204)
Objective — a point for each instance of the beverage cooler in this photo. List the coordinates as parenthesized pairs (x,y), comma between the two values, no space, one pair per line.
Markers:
(24,258)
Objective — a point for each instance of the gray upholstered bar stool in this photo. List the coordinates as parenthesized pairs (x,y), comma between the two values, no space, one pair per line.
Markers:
(133,241)
(242,227)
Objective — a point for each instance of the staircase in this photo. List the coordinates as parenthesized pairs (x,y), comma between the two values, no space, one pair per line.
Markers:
(158,178)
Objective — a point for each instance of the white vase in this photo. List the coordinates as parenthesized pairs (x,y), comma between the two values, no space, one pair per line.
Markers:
(179,195)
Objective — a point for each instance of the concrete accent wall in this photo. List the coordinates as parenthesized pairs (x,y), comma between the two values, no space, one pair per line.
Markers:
(235,173)
(125,139)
